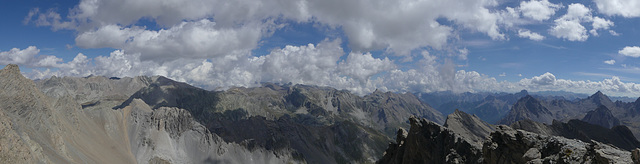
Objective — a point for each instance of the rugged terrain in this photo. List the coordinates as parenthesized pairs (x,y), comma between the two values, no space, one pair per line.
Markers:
(54,127)
(427,142)
(158,120)
(155,119)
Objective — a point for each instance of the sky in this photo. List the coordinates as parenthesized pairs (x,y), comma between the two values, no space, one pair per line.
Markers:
(358,45)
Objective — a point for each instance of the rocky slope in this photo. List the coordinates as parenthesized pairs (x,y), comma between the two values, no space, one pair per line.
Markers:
(38,128)
(43,129)
(469,127)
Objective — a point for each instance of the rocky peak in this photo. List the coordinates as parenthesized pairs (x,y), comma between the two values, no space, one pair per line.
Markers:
(11,73)
(600,98)
(469,127)
(601,116)
(11,68)
(523,92)
(428,142)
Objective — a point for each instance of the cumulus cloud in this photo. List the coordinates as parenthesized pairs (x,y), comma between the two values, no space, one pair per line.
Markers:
(630,51)
(200,40)
(18,56)
(208,43)
(542,80)
(610,62)
(601,24)
(530,35)
(539,10)
(570,27)
(548,81)
(363,66)
(571,30)
(394,26)
(625,8)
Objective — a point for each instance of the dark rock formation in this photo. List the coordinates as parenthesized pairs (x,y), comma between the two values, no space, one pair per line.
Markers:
(601,116)
(428,142)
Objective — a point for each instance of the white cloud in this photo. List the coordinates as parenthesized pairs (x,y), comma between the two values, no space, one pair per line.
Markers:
(630,51)
(625,8)
(542,80)
(610,62)
(569,25)
(548,81)
(200,39)
(394,26)
(530,35)
(49,18)
(539,10)
(502,74)
(363,66)
(571,30)
(614,33)
(601,24)
(18,56)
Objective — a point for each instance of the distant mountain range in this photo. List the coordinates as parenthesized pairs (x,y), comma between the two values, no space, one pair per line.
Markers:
(158,120)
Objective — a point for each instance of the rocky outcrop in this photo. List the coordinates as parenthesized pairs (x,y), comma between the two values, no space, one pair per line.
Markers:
(601,116)
(619,136)
(517,146)
(469,127)
(428,142)
(530,108)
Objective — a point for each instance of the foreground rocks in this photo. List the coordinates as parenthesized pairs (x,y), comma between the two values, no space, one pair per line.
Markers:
(427,142)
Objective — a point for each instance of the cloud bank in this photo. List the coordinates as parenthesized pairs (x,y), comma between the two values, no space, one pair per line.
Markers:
(209,43)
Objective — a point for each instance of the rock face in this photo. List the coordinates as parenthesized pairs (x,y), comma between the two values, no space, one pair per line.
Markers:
(469,127)
(428,142)
(518,146)
(601,116)
(528,108)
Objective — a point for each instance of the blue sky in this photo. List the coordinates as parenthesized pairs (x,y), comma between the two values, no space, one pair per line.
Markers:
(401,46)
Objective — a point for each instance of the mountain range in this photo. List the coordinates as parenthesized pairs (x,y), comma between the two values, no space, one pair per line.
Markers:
(155,119)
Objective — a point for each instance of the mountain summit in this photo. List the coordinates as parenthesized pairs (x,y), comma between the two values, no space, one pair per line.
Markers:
(600,98)
(528,107)
(601,116)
